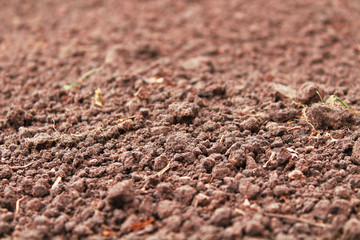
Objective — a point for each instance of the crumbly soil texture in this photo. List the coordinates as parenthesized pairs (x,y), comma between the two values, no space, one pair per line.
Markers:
(194,119)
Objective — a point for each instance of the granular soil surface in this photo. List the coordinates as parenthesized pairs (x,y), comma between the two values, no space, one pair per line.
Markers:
(196,119)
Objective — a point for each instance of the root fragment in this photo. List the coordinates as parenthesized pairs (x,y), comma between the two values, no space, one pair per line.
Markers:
(21,167)
(271,158)
(307,119)
(17,209)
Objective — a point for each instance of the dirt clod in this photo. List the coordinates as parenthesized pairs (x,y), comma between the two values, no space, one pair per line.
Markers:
(185,194)
(184,112)
(221,217)
(323,116)
(310,93)
(352,229)
(121,194)
(254,228)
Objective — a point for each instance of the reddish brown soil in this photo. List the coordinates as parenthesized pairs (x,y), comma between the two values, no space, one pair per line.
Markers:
(210,127)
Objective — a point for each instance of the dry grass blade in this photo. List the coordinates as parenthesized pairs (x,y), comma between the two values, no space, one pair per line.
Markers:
(127,118)
(293,218)
(87,74)
(21,167)
(222,139)
(58,180)
(162,171)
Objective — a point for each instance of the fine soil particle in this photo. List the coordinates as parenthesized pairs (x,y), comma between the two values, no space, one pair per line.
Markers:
(179,119)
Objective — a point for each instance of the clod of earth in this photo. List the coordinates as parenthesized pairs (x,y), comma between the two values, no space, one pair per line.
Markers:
(310,93)
(326,117)
(121,194)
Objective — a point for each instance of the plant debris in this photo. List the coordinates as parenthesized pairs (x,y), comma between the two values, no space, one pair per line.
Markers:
(98,98)
(82,78)
(141,225)
(127,118)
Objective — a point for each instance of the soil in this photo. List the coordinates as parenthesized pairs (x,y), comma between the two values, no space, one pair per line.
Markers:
(196,119)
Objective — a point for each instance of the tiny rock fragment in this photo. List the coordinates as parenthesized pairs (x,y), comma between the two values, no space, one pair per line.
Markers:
(309,93)
(159,81)
(98,98)
(281,190)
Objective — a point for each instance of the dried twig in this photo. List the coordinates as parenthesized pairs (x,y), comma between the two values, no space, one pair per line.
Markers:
(58,180)
(85,75)
(17,209)
(293,218)
(162,171)
(272,156)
